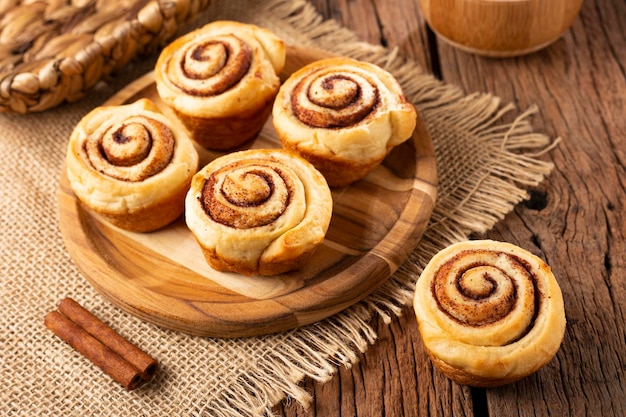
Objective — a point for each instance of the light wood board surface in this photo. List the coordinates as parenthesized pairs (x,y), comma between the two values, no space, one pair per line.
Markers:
(163,278)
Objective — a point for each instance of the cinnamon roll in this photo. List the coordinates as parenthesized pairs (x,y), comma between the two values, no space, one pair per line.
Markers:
(258,212)
(489,313)
(221,81)
(129,164)
(342,115)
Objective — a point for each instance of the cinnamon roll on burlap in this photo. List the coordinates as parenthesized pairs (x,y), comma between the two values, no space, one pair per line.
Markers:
(221,81)
(489,313)
(344,116)
(258,212)
(131,165)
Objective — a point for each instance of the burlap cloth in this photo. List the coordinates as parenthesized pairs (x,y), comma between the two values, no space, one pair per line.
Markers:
(485,162)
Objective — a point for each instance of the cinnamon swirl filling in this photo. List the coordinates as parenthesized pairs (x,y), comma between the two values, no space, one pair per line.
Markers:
(258,211)
(334,98)
(481,288)
(209,67)
(489,313)
(247,194)
(132,150)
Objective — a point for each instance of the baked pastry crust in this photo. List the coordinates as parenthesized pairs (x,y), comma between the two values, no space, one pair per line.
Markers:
(221,81)
(489,313)
(131,165)
(258,212)
(342,115)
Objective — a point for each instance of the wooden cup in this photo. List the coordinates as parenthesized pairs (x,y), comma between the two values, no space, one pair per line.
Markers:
(500,28)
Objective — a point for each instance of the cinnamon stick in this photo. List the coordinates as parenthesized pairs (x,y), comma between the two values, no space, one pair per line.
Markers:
(116,356)
(109,337)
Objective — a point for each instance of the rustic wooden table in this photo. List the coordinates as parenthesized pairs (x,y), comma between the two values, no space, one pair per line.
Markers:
(576,220)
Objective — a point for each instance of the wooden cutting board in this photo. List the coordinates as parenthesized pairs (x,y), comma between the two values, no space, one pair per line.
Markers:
(163,278)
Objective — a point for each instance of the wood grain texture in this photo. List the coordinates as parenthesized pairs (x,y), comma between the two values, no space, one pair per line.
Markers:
(163,277)
(574,220)
(500,28)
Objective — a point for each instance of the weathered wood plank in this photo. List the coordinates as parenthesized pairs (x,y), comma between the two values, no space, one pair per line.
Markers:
(574,220)
(392,23)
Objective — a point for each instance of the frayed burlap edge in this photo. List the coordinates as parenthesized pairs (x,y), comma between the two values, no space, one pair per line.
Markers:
(508,165)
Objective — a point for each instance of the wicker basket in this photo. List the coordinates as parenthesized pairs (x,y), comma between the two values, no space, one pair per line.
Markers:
(53,51)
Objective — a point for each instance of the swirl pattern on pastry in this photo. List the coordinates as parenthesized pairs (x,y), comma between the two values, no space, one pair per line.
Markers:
(209,67)
(332,98)
(258,211)
(133,150)
(222,69)
(248,195)
(342,115)
(130,164)
(221,80)
(489,312)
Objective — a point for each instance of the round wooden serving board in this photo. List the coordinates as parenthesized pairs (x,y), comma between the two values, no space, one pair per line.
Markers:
(163,278)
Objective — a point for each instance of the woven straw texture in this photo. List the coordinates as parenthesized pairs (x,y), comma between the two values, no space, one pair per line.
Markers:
(487,156)
(57,50)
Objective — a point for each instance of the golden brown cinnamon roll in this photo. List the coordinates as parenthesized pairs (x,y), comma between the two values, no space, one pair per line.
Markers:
(221,80)
(131,165)
(342,115)
(258,211)
(489,313)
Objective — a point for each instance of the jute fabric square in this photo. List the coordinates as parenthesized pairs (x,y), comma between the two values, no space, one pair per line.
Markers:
(488,157)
